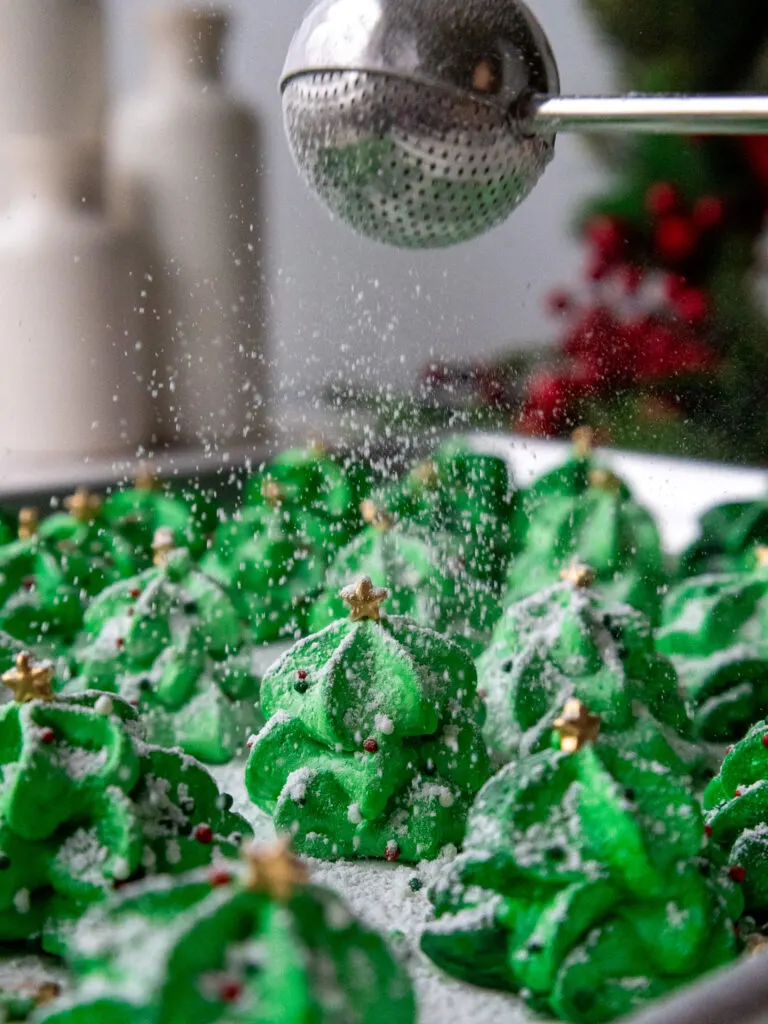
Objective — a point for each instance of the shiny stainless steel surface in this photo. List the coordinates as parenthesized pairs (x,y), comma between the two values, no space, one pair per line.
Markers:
(424,123)
(662,115)
(397,113)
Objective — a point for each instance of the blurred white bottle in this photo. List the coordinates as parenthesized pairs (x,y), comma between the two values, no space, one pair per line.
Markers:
(72,376)
(52,67)
(184,170)
(52,73)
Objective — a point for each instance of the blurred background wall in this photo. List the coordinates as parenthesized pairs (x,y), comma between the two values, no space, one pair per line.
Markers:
(335,298)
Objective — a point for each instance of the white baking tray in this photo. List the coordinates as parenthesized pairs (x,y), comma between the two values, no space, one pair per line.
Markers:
(677,492)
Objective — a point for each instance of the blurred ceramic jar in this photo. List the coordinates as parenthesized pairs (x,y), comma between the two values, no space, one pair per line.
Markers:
(73,378)
(52,73)
(184,169)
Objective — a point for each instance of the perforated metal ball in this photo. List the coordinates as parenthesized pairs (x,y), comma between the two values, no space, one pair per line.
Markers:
(415,142)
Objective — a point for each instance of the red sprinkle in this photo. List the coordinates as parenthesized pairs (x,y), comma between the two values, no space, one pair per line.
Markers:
(370,746)
(301,674)
(737,873)
(203,834)
(250,743)
(765,739)
(135,592)
(728,750)
(707,830)
(47,736)
(230,991)
(392,852)
(219,877)
(119,643)
(29,582)
(737,793)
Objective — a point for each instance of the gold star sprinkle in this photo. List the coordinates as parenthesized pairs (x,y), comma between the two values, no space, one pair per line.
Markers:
(29,681)
(578,575)
(82,505)
(274,870)
(576,727)
(29,521)
(604,480)
(163,543)
(364,600)
(146,478)
(272,493)
(46,993)
(427,475)
(375,516)
(584,440)
(761,555)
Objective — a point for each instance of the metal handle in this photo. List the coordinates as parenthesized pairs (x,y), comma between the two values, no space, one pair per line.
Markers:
(649,114)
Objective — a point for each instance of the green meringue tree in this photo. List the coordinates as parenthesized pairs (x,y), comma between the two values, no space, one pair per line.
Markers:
(242,942)
(373,745)
(172,641)
(569,641)
(86,805)
(583,883)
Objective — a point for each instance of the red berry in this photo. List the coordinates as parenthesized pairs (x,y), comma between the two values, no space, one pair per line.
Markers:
(47,736)
(632,278)
(676,238)
(673,286)
(559,302)
(737,873)
(135,592)
(692,304)
(230,991)
(597,269)
(392,852)
(301,674)
(371,746)
(606,235)
(662,199)
(709,212)
(765,739)
(203,834)
(707,830)
(548,403)
(218,877)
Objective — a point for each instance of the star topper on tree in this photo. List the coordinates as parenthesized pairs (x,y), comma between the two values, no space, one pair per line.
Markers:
(29,681)
(364,600)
